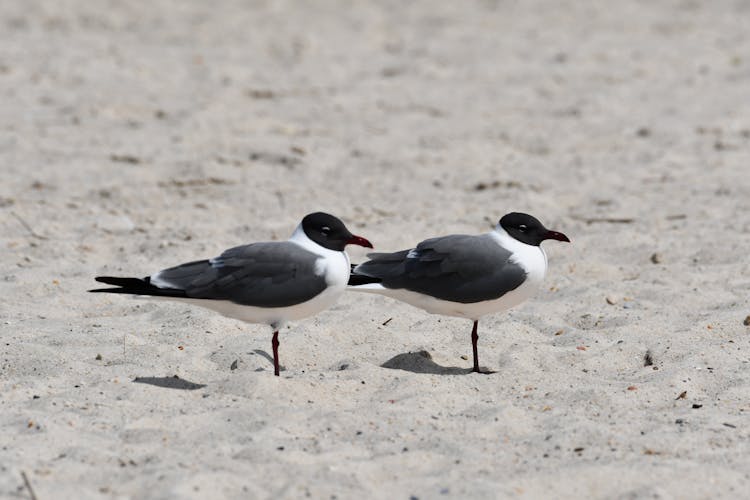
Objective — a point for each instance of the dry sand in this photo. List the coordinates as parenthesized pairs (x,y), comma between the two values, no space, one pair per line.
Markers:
(137,135)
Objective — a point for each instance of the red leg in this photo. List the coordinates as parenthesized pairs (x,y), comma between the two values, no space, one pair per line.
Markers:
(275,345)
(474,339)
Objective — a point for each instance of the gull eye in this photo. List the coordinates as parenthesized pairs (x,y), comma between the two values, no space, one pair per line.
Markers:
(325,229)
(523,227)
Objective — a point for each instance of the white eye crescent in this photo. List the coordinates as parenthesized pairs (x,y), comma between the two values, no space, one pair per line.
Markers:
(325,229)
(523,227)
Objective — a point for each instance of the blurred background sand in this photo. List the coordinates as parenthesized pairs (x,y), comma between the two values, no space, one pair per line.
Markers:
(137,135)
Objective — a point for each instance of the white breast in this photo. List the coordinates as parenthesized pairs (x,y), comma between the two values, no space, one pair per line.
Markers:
(333,264)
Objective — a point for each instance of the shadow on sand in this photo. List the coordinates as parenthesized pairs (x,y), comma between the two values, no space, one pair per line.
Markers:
(173,382)
(421,362)
(261,352)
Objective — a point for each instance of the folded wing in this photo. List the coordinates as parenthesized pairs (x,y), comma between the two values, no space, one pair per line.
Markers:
(261,274)
(456,268)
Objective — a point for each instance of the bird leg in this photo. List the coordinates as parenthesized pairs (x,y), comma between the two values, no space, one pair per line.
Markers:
(474,339)
(275,345)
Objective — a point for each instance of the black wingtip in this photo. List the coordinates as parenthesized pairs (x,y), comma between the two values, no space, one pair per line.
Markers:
(360,279)
(109,290)
(135,286)
(124,282)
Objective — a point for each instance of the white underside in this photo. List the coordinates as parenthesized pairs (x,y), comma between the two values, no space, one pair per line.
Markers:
(332,264)
(531,258)
(276,317)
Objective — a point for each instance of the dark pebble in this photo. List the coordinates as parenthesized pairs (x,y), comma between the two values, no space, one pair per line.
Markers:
(648,359)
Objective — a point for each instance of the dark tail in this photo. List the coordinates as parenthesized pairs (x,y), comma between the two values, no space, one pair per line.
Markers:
(136,286)
(360,279)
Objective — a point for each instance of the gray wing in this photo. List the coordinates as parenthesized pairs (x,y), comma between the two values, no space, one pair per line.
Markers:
(457,268)
(260,274)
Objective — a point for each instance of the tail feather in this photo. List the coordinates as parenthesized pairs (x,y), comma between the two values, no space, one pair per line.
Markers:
(135,286)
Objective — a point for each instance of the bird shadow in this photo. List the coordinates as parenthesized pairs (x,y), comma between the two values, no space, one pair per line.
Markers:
(261,352)
(173,382)
(421,362)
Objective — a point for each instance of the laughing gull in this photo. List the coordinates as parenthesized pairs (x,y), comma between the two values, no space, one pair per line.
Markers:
(272,283)
(461,275)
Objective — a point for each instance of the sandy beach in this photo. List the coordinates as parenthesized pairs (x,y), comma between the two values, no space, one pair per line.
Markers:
(139,135)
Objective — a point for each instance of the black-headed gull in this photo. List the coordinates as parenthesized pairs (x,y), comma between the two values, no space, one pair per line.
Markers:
(272,282)
(461,275)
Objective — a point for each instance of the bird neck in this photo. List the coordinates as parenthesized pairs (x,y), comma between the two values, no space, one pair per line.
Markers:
(300,238)
(523,253)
